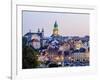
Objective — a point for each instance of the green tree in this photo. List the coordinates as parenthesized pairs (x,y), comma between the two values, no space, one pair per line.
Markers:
(29,56)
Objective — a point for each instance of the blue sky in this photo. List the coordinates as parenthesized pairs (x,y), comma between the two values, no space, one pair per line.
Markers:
(69,24)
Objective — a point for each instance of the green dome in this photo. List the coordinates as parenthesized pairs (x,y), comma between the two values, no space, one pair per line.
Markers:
(55,25)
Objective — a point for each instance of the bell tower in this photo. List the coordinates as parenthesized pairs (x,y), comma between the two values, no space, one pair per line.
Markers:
(55,29)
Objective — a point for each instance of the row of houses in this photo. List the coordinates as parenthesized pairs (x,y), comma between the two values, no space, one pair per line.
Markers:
(55,41)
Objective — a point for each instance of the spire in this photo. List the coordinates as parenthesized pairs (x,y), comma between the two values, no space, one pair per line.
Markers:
(55,24)
(55,30)
(42,29)
(38,30)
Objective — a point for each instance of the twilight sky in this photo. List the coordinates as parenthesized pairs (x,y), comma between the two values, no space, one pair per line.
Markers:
(69,24)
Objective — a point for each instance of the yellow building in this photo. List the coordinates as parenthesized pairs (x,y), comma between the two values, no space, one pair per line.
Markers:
(55,30)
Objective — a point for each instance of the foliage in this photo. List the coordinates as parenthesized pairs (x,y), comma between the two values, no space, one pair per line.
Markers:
(29,56)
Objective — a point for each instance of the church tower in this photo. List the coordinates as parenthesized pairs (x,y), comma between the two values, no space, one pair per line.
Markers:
(38,30)
(42,32)
(55,30)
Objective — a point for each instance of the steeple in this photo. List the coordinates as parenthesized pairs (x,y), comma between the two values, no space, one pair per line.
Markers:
(55,30)
(38,30)
(55,24)
(42,29)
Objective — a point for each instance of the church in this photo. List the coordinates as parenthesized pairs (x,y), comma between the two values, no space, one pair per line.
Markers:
(38,40)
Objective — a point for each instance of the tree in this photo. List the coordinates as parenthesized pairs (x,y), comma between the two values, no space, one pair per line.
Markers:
(29,56)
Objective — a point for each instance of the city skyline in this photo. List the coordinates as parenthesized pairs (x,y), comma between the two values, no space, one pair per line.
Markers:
(69,24)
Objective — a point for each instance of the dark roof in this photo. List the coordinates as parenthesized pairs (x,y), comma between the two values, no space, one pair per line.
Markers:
(29,33)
